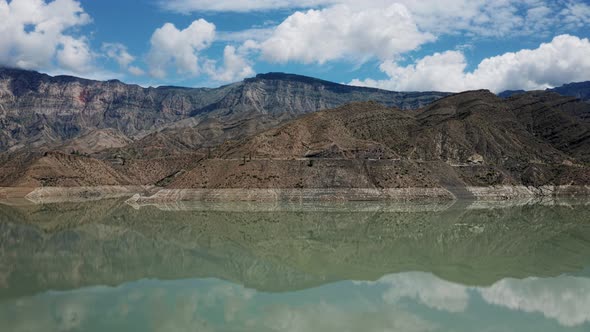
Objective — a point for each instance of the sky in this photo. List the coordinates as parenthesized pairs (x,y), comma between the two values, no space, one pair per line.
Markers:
(402,45)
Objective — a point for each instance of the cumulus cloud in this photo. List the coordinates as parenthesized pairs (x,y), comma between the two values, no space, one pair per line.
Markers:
(118,52)
(172,47)
(336,30)
(74,54)
(427,289)
(235,66)
(565,299)
(37,35)
(339,32)
(478,17)
(564,59)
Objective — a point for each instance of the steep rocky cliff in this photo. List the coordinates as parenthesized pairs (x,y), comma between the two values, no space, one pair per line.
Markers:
(37,109)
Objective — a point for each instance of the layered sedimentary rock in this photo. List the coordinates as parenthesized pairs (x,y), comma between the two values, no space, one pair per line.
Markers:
(271,133)
(469,139)
(37,109)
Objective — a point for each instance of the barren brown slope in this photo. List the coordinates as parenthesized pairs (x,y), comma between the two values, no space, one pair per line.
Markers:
(563,122)
(337,133)
(156,171)
(58,170)
(472,138)
(96,141)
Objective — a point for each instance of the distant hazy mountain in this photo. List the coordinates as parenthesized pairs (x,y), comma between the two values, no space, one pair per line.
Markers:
(579,90)
(510,93)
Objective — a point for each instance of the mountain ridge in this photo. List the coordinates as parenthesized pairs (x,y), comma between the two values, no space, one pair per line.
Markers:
(37,109)
(580,90)
(283,131)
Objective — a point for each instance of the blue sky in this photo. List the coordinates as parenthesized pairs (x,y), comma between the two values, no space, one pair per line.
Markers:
(401,45)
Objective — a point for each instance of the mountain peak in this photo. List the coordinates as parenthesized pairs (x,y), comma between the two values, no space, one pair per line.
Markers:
(280,76)
(294,78)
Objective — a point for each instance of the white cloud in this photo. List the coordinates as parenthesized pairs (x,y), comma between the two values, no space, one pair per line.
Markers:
(235,66)
(336,316)
(35,35)
(254,34)
(565,299)
(564,59)
(427,289)
(576,15)
(185,6)
(354,31)
(74,54)
(479,17)
(119,53)
(179,48)
(341,31)
(134,70)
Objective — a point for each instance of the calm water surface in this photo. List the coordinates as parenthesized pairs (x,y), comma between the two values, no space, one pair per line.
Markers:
(107,266)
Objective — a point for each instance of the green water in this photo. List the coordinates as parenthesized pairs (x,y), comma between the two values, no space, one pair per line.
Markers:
(107,266)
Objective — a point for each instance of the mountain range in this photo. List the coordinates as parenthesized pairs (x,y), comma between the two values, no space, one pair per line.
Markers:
(40,110)
(281,130)
(579,90)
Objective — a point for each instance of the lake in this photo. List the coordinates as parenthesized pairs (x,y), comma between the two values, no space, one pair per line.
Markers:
(109,266)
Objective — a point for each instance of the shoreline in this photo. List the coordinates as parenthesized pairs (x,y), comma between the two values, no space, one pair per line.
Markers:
(149,195)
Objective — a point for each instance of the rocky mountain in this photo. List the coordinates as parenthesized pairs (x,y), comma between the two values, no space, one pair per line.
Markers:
(580,90)
(56,169)
(510,93)
(37,110)
(468,139)
(272,131)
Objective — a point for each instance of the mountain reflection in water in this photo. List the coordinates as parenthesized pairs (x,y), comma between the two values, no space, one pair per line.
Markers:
(259,267)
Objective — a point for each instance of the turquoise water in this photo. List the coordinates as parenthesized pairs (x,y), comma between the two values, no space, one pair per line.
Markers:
(105,266)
